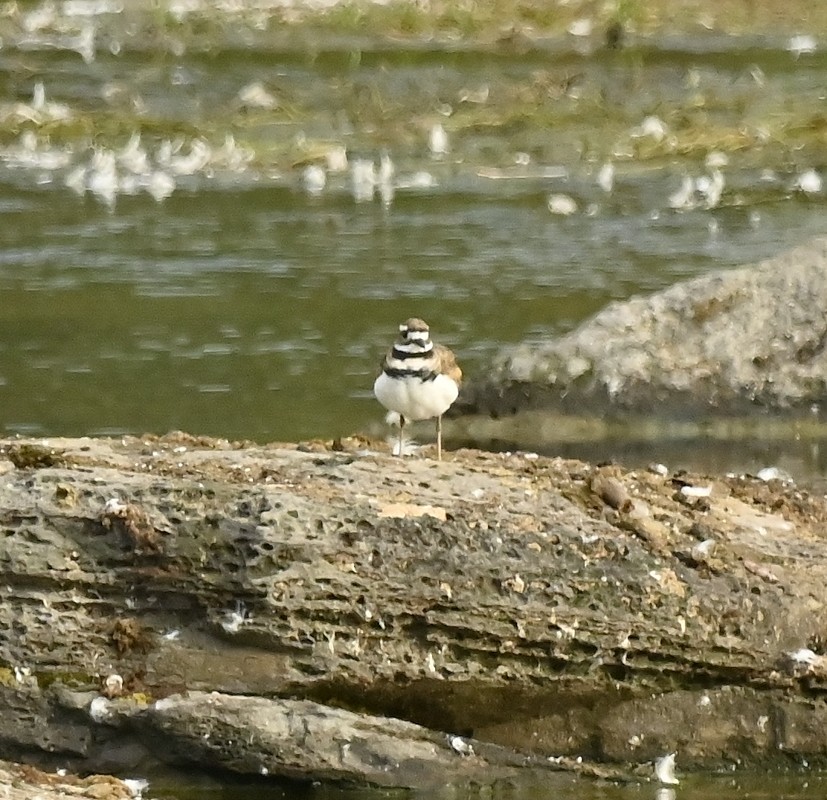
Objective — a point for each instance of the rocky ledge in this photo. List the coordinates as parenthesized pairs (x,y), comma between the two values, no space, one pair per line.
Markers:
(330,612)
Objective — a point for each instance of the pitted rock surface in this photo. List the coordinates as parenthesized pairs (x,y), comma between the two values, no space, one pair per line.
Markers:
(549,608)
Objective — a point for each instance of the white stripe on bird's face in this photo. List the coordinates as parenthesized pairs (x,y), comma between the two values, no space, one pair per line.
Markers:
(417,336)
(415,346)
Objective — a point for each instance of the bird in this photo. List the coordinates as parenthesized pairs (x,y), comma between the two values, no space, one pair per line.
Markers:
(419,379)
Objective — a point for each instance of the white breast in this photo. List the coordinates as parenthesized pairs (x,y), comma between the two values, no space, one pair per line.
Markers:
(414,398)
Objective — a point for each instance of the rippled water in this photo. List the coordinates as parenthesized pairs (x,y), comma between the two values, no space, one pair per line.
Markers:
(800,784)
(262,313)
(242,306)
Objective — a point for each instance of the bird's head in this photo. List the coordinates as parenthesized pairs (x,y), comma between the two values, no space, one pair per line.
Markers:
(415,331)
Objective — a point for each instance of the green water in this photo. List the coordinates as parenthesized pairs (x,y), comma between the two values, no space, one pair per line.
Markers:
(241,306)
(262,314)
(799,784)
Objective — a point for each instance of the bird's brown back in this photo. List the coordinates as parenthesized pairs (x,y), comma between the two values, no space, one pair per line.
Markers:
(447,363)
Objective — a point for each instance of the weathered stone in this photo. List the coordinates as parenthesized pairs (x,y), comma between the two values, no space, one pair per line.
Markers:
(301,739)
(730,341)
(531,605)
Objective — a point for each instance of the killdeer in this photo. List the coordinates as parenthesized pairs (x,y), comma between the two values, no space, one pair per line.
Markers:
(419,379)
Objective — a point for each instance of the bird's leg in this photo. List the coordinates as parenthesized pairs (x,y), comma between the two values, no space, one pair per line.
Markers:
(439,438)
(401,438)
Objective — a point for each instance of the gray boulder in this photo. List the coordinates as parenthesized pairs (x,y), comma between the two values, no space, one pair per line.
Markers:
(729,341)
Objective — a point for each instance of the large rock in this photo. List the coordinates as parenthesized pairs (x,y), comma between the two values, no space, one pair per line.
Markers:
(350,615)
(726,342)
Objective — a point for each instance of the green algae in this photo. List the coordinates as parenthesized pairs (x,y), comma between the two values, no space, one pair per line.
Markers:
(564,88)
